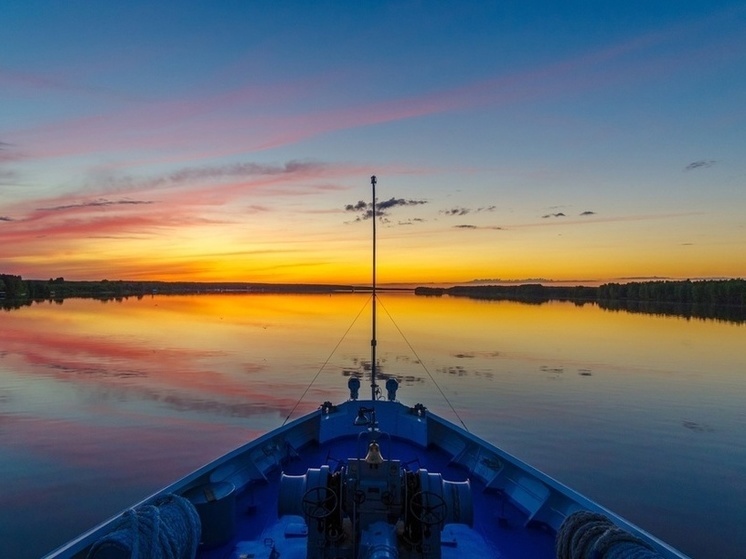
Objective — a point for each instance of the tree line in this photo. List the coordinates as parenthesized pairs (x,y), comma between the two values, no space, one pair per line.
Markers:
(716,292)
(18,289)
(720,299)
(717,299)
(708,292)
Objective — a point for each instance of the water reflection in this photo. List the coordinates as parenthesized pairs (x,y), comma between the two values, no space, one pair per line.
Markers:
(120,398)
(718,299)
(724,313)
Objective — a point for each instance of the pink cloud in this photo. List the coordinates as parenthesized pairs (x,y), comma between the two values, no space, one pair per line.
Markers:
(156,207)
(186,124)
(250,118)
(43,225)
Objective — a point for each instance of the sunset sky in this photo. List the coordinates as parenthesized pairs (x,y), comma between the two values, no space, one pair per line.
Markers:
(572,141)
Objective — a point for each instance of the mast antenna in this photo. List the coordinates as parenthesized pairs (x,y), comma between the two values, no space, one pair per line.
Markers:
(373,386)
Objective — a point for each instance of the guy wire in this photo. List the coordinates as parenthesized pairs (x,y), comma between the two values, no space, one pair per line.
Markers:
(422,363)
(327,361)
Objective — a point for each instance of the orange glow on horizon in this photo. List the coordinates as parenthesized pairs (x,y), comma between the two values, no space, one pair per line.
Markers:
(308,248)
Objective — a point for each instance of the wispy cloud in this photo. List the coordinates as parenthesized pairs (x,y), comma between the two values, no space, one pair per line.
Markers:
(57,83)
(455,211)
(411,221)
(562,214)
(171,204)
(97,204)
(611,219)
(28,232)
(229,122)
(394,202)
(8,177)
(364,210)
(701,164)
(481,227)
(459,211)
(7,155)
(8,152)
(208,174)
(193,186)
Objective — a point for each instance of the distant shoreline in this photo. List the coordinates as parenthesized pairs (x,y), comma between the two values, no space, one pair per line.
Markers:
(707,299)
(713,299)
(15,287)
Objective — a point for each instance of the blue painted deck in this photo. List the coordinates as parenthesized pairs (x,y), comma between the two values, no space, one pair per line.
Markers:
(516,508)
(500,528)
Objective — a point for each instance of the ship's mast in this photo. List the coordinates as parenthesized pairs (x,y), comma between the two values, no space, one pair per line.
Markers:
(373,386)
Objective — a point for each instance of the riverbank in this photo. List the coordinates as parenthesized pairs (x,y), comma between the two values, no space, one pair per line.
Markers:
(707,299)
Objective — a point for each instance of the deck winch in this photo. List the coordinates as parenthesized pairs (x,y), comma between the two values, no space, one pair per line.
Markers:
(374,508)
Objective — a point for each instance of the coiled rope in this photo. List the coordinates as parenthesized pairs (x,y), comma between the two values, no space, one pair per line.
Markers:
(168,527)
(591,535)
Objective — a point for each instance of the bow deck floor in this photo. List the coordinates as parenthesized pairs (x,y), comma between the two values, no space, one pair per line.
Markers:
(499,530)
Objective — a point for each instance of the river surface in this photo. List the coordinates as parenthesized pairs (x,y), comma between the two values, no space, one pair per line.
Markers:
(103,403)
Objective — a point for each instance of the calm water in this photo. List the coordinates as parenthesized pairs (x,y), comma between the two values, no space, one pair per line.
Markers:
(103,403)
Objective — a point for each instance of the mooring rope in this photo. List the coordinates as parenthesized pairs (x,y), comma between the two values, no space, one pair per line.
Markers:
(326,362)
(450,405)
(168,527)
(591,535)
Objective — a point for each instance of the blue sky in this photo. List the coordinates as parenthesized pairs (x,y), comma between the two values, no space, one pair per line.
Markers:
(202,140)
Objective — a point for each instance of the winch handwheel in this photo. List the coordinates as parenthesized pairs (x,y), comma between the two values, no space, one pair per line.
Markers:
(427,507)
(319,502)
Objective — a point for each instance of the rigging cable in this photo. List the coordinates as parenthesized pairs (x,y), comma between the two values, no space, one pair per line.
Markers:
(423,364)
(325,362)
